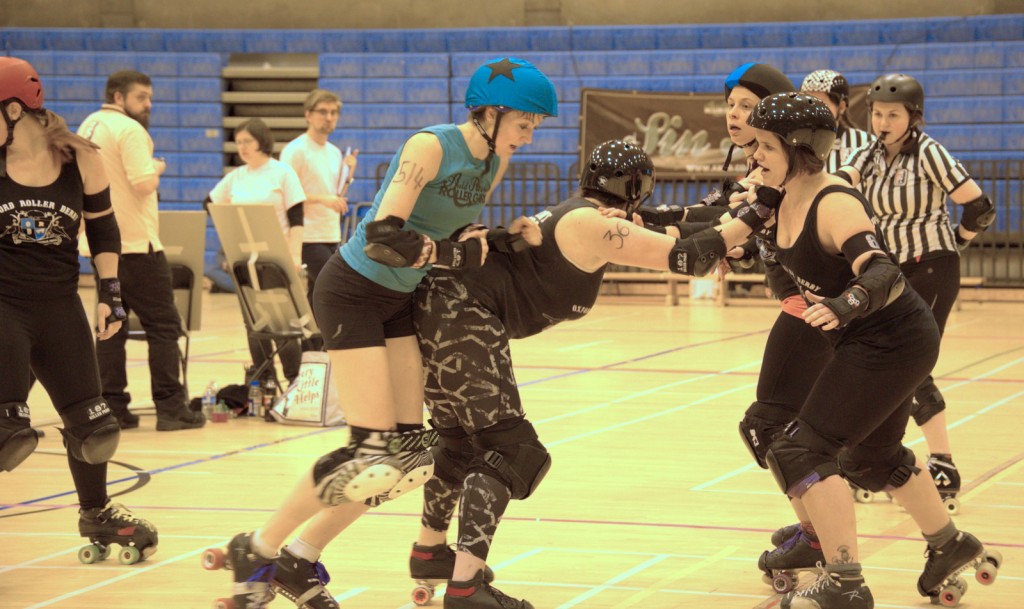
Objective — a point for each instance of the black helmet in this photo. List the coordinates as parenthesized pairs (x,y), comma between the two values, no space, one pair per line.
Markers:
(621,170)
(761,78)
(830,82)
(897,88)
(800,120)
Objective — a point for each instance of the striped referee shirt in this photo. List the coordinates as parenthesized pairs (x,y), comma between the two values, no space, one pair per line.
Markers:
(848,142)
(909,195)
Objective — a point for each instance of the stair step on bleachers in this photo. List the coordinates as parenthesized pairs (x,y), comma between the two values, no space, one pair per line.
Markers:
(193,164)
(270,72)
(262,97)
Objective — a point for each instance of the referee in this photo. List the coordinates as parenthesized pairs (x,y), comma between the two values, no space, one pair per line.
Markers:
(907,176)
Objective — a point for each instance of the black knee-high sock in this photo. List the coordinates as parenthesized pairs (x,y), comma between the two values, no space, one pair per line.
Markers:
(439,500)
(90,482)
(484,500)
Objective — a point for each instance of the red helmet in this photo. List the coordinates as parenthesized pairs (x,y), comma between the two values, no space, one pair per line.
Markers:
(19,80)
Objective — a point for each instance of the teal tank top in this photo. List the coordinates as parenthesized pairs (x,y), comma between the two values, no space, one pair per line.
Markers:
(451,200)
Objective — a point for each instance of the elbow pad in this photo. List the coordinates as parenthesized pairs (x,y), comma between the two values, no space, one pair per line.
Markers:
(103,235)
(500,240)
(389,245)
(978,215)
(879,283)
(296,215)
(97,203)
(697,255)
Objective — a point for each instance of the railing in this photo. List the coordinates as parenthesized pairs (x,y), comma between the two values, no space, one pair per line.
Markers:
(997,255)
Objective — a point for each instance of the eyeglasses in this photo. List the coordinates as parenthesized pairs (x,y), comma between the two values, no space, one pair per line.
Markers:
(245,141)
(325,112)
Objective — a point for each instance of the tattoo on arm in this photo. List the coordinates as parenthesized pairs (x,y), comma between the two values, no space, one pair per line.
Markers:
(844,557)
(618,238)
(408,172)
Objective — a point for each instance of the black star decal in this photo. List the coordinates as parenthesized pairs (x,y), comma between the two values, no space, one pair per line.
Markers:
(503,68)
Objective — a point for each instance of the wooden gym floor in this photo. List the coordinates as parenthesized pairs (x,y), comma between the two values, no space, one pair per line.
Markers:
(652,501)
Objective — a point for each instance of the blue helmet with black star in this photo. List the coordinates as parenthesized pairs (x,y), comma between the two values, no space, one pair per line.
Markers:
(512,84)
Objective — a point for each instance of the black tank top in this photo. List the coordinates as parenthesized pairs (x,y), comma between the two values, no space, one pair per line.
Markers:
(902,329)
(39,236)
(536,288)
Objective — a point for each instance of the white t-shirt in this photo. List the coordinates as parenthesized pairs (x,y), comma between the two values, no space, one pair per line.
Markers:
(274,183)
(319,169)
(127,152)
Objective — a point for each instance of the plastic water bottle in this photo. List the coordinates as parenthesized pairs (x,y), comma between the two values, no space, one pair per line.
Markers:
(255,401)
(210,400)
(269,395)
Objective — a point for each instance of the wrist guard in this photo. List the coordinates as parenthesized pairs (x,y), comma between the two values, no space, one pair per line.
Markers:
(500,240)
(662,215)
(756,213)
(459,255)
(109,292)
(961,242)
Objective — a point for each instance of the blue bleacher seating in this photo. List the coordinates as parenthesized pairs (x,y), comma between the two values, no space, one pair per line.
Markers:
(676,37)
(303,41)
(74,88)
(164,115)
(42,61)
(193,139)
(199,114)
(426,41)
(197,89)
(903,31)
(344,41)
(164,139)
(157,64)
(72,63)
(108,63)
(199,64)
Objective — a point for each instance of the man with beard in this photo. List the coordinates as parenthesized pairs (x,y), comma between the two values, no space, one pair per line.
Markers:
(119,128)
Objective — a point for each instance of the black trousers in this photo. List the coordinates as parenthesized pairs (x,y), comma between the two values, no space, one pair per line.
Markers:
(52,340)
(146,290)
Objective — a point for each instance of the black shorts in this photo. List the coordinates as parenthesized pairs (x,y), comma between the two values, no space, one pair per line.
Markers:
(354,312)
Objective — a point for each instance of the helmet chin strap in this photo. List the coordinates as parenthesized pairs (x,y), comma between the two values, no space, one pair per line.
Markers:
(490,139)
(732,148)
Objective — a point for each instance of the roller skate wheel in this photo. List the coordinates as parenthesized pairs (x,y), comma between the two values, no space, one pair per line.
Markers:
(950,596)
(129,555)
(863,496)
(90,554)
(224,603)
(952,505)
(104,553)
(994,557)
(962,584)
(783,583)
(986,573)
(422,595)
(213,559)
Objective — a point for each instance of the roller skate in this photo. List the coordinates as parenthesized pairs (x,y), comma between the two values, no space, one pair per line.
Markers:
(252,573)
(941,581)
(832,591)
(947,479)
(478,594)
(780,536)
(114,523)
(782,565)
(433,565)
(302,582)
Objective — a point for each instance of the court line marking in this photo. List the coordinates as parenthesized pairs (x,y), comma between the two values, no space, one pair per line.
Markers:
(657,586)
(582,346)
(592,592)
(113,580)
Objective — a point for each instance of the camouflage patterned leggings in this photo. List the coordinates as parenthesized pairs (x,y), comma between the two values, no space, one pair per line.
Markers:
(469,386)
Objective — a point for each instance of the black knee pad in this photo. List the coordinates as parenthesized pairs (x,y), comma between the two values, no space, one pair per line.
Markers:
(800,457)
(511,452)
(876,469)
(758,432)
(17,438)
(928,402)
(91,432)
(452,455)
